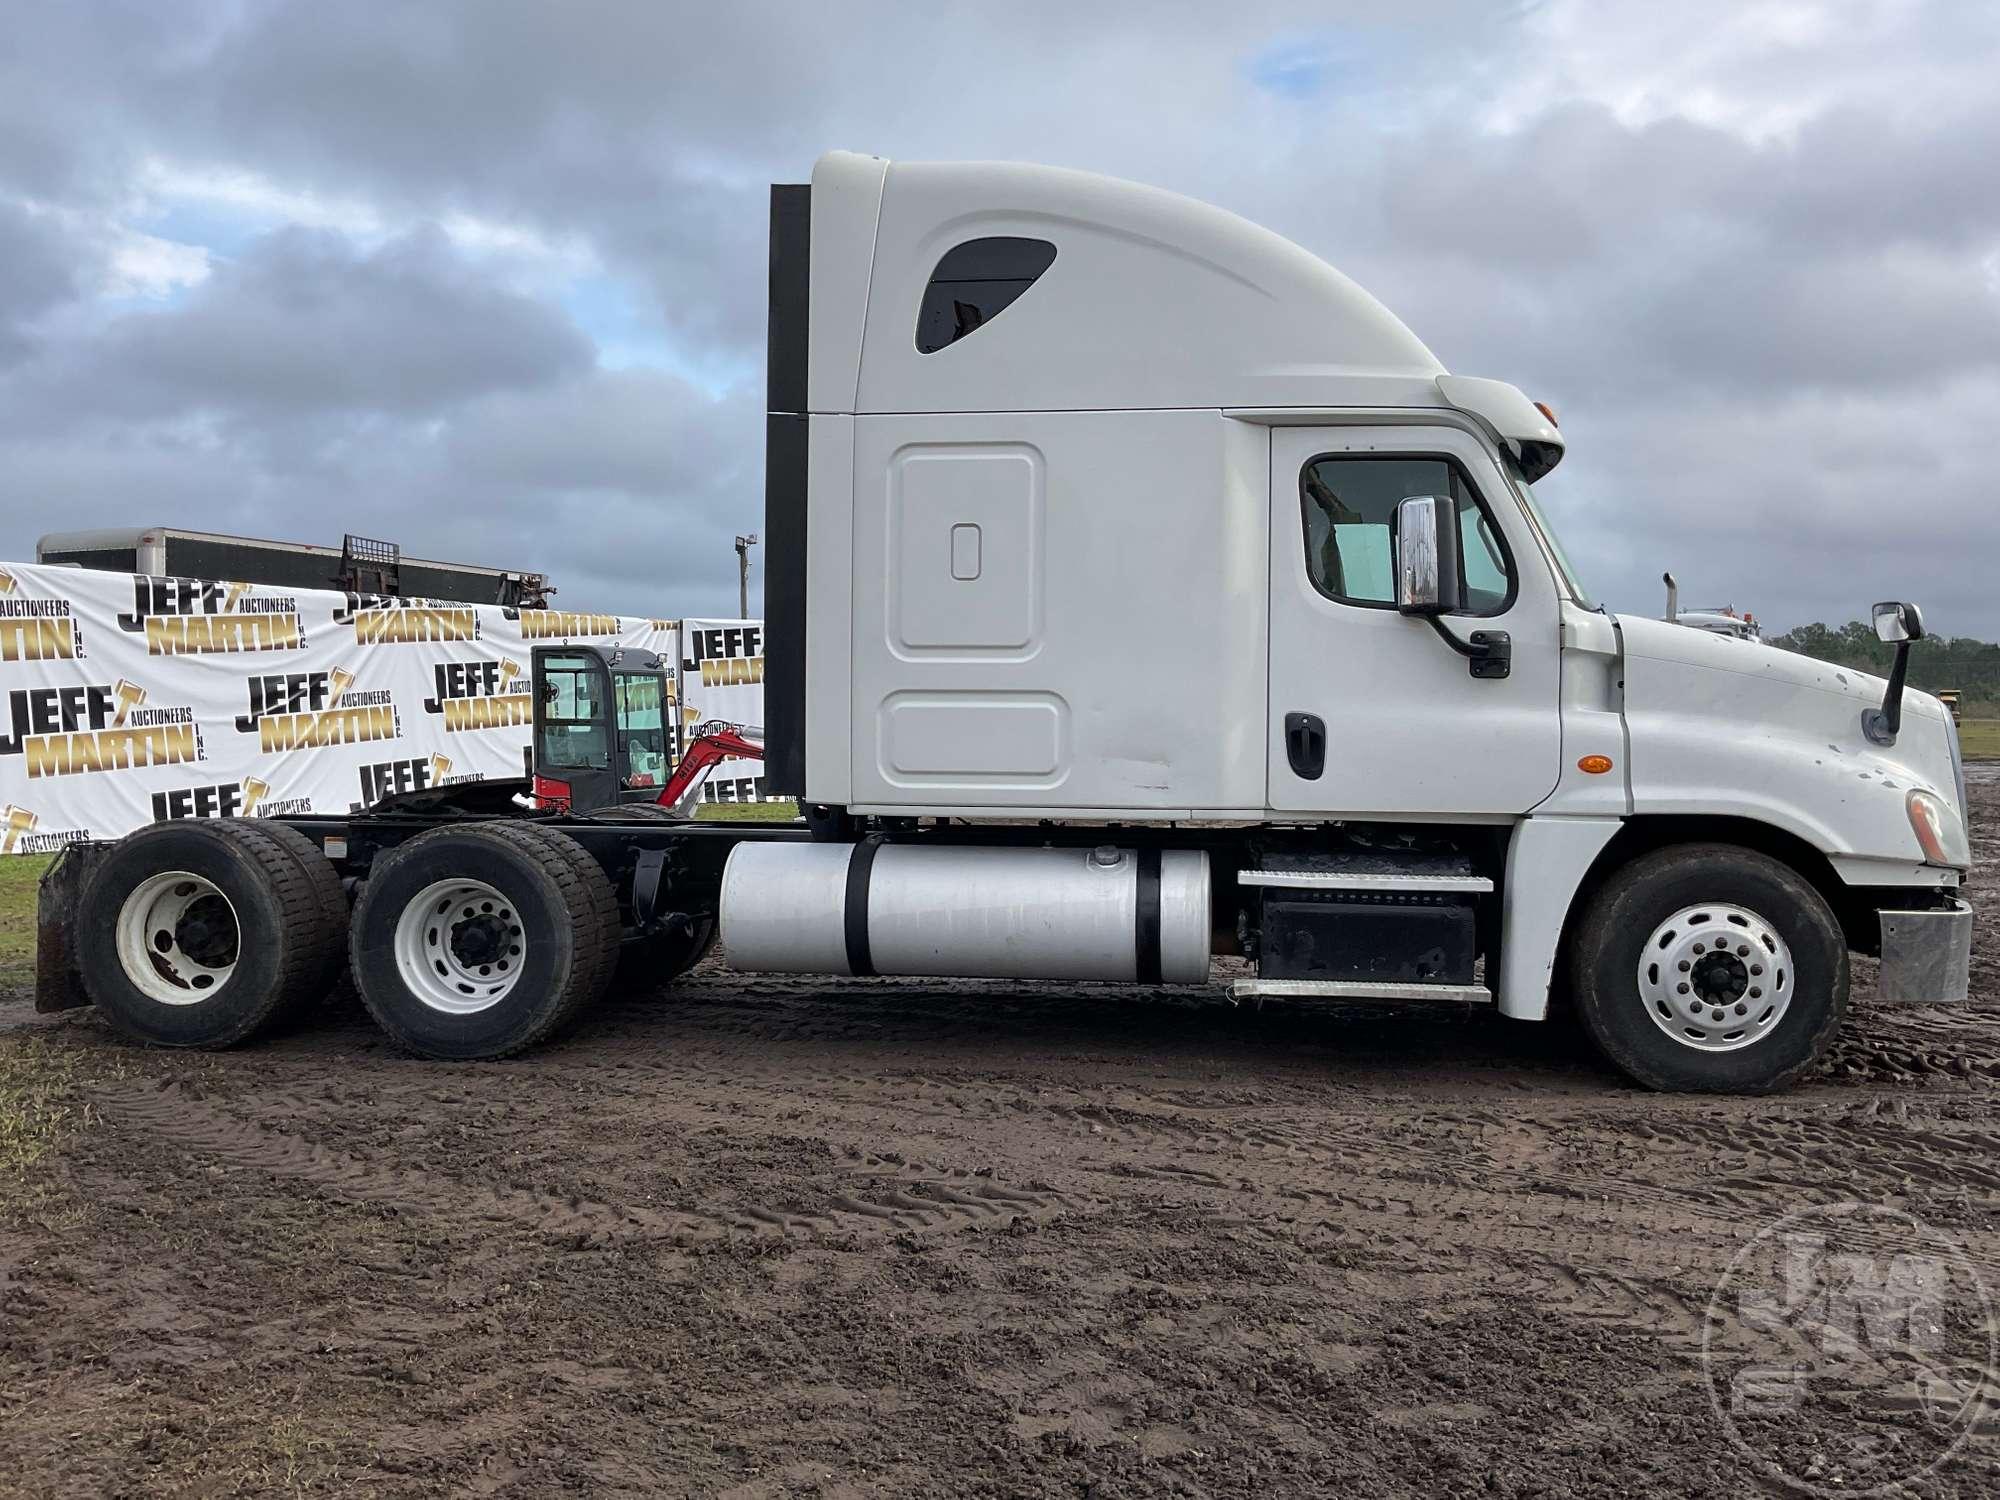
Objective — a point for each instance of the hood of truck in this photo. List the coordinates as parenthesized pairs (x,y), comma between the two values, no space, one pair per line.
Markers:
(1720,725)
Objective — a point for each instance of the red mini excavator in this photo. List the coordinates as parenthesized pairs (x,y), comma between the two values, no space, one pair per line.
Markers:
(603,733)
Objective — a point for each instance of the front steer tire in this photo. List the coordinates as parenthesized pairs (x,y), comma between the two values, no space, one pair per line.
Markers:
(528,901)
(286,944)
(1627,917)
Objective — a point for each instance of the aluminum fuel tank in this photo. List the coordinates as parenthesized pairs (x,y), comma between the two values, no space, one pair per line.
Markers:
(1131,915)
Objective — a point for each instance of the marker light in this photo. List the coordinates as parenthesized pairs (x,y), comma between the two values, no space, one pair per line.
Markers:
(1594,765)
(1544,408)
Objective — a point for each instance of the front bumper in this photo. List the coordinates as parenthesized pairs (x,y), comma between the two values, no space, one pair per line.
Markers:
(1926,955)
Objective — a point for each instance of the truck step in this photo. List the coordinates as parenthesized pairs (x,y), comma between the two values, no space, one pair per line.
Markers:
(1357,989)
(1361,880)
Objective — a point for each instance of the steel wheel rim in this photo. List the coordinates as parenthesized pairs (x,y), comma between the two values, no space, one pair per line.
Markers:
(1716,977)
(460,946)
(177,938)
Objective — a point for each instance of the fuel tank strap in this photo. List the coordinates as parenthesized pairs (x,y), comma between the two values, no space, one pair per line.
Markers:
(860,868)
(1146,920)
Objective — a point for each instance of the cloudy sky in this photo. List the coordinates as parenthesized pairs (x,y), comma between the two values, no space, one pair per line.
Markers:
(486,277)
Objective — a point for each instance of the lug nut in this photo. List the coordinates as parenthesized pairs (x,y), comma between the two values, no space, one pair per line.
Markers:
(1684,966)
(1681,988)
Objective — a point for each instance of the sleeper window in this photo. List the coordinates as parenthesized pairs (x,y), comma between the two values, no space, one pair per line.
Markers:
(974,283)
(1348,506)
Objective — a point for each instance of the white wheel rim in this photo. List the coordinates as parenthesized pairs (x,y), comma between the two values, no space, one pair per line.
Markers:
(178,939)
(1716,977)
(459,946)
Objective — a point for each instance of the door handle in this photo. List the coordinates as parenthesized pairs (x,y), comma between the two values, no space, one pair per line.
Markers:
(1305,745)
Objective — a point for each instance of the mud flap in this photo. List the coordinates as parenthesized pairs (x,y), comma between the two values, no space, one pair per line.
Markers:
(58,981)
(1926,956)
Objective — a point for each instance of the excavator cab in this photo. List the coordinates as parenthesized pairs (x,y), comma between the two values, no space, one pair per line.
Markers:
(604,732)
(603,726)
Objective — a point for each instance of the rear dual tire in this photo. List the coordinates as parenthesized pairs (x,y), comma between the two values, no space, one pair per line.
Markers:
(201,933)
(480,941)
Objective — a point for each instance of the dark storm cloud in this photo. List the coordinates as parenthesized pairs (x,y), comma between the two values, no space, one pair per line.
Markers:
(1747,251)
(36,274)
(304,321)
(313,387)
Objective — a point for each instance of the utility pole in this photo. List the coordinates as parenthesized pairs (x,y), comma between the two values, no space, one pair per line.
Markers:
(743,546)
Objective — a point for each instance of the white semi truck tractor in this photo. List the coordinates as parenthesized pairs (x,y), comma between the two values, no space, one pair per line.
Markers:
(1139,590)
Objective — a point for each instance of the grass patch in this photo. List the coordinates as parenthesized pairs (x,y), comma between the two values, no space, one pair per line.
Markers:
(37,1102)
(40,1106)
(747,812)
(19,875)
(1980,739)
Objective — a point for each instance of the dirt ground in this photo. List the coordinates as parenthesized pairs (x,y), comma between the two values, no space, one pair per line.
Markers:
(764,1238)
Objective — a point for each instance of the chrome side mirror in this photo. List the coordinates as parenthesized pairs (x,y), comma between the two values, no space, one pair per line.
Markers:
(1896,622)
(1426,560)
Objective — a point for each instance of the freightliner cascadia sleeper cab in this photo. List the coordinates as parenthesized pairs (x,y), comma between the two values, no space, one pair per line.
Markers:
(1141,589)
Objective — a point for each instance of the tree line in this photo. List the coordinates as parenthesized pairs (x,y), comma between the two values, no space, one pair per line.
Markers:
(1936,662)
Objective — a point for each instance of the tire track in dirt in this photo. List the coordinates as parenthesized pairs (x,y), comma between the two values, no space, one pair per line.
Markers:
(1864,1151)
(1326,1143)
(1600,1233)
(889,1197)
(1770,1152)
(166,1112)
(1320,1146)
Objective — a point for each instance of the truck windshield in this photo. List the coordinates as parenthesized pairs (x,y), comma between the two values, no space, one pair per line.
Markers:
(1547,535)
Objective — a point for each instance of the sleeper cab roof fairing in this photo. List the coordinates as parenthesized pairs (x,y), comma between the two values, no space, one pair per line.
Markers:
(1152,300)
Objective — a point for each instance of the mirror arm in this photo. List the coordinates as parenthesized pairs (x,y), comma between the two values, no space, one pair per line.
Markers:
(1490,653)
(1882,725)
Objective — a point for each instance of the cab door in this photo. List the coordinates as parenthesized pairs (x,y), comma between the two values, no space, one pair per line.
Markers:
(643,757)
(573,728)
(1371,713)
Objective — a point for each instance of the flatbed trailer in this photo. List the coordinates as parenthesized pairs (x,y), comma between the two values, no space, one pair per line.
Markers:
(1139,590)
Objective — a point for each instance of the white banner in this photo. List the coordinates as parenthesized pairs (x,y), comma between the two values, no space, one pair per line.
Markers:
(722,678)
(125,700)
